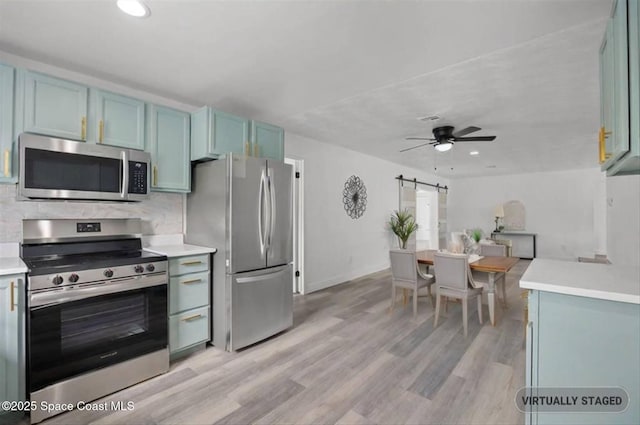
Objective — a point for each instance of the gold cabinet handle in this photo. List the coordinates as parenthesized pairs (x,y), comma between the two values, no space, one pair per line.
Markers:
(256,150)
(602,145)
(13,285)
(83,128)
(155,175)
(7,163)
(191,263)
(101,131)
(190,318)
(247,148)
(187,282)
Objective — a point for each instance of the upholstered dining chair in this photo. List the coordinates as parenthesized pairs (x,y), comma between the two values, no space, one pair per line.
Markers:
(500,280)
(406,274)
(454,280)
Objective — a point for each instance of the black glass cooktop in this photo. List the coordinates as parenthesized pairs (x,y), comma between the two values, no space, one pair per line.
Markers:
(68,257)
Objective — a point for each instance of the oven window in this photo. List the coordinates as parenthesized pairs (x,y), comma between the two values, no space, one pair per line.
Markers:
(68,339)
(83,327)
(69,171)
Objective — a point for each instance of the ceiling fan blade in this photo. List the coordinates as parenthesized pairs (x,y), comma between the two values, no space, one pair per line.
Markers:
(465,131)
(475,139)
(419,138)
(415,147)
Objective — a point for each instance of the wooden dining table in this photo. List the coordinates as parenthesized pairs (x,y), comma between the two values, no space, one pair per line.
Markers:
(490,265)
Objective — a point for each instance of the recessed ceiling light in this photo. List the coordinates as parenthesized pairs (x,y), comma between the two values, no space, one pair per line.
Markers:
(474,153)
(134,8)
(491,166)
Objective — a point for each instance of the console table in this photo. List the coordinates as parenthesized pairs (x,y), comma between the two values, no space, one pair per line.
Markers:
(523,244)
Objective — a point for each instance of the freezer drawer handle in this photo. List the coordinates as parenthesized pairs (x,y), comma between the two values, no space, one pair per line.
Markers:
(191,318)
(187,282)
(191,263)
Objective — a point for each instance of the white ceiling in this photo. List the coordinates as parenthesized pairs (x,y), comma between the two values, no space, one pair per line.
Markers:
(353,73)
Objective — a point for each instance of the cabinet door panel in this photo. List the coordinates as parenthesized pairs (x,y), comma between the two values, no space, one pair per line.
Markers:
(54,107)
(169,140)
(12,338)
(119,120)
(267,141)
(229,133)
(7,169)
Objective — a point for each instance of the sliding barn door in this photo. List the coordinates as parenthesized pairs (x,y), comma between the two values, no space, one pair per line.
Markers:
(442,220)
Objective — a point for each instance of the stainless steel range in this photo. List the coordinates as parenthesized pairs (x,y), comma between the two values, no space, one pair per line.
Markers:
(96,310)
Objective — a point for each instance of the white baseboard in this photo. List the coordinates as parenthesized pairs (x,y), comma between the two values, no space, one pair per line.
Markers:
(342,278)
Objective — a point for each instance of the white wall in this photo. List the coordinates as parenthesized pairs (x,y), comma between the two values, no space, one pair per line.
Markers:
(337,247)
(623,220)
(565,208)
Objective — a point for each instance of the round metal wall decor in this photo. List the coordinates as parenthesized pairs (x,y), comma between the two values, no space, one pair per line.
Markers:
(354,197)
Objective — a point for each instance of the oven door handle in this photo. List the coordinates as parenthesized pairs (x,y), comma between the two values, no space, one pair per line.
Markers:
(48,298)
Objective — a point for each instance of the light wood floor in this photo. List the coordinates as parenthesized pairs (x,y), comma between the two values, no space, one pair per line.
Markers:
(347,360)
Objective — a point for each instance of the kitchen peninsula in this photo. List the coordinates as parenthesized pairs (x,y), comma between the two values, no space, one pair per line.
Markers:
(584,322)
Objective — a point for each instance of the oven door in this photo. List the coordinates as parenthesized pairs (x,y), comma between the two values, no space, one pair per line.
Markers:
(56,168)
(74,331)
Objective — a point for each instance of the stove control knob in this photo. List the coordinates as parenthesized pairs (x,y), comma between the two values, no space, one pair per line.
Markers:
(139,269)
(73,278)
(57,280)
(108,273)
(150,267)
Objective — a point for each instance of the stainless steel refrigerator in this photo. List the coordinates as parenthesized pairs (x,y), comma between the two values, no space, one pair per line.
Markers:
(243,206)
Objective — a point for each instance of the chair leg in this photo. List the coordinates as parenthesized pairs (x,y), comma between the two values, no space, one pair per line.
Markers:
(437,315)
(480,308)
(431,296)
(465,306)
(415,301)
(393,297)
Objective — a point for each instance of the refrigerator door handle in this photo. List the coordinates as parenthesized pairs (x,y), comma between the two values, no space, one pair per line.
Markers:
(272,207)
(261,211)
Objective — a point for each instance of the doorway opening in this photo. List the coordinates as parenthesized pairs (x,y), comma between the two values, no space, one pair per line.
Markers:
(427,219)
(298,223)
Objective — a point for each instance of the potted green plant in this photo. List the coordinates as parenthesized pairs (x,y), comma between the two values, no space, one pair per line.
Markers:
(476,234)
(402,224)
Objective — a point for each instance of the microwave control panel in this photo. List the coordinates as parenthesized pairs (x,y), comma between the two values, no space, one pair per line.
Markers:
(138,177)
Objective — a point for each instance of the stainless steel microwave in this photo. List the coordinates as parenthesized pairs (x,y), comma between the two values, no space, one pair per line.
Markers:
(53,168)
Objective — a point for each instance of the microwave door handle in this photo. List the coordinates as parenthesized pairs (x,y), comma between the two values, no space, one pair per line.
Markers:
(125,175)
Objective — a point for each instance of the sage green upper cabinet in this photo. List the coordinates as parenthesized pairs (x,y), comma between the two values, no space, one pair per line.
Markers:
(54,107)
(12,307)
(215,133)
(117,120)
(6,125)
(267,141)
(168,132)
(619,73)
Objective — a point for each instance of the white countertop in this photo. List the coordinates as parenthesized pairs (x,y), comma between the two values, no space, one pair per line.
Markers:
(180,250)
(12,265)
(601,281)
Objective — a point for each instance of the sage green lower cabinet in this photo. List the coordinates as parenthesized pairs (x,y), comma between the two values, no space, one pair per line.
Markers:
(267,141)
(189,302)
(8,154)
(12,344)
(577,341)
(168,141)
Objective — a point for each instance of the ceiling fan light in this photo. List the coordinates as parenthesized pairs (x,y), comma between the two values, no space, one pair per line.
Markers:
(444,146)
(134,8)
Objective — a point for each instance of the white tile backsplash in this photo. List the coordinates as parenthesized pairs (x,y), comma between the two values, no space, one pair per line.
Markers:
(162,213)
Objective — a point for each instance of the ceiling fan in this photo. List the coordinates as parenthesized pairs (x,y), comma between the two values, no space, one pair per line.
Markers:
(444,138)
